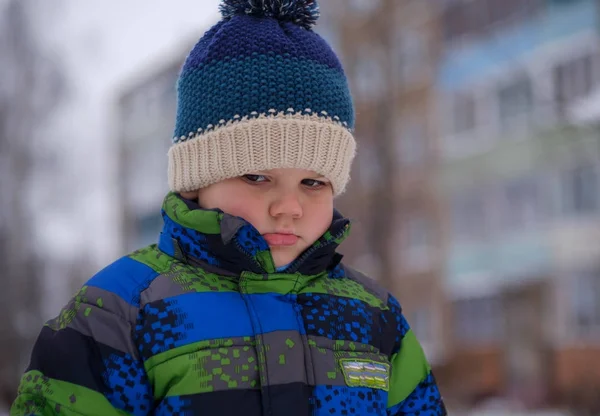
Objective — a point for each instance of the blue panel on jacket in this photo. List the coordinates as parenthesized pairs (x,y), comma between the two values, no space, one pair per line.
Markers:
(126,278)
(192,317)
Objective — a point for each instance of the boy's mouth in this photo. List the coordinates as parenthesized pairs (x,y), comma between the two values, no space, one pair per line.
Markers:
(279,239)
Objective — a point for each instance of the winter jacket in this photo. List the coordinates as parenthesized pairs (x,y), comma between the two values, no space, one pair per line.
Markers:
(202,324)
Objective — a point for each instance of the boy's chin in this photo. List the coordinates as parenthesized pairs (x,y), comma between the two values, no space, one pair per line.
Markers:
(282,260)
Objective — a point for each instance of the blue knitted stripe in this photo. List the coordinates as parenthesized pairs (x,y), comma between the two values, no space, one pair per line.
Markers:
(260,83)
(244,36)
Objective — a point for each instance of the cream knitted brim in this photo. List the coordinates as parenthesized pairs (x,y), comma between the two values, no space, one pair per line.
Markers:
(269,142)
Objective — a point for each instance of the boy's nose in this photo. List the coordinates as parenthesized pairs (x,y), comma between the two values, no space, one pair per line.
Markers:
(287,204)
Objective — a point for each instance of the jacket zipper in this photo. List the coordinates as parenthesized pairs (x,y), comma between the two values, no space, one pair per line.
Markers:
(298,262)
(243,251)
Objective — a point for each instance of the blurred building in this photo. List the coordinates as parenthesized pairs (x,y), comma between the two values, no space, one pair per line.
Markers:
(146,113)
(389,51)
(522,189)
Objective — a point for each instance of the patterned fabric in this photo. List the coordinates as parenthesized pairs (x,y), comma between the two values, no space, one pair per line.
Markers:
(130,389)
(191,241)
(332,400)
(163,332)
(425,400)
(339,318)
(261,90)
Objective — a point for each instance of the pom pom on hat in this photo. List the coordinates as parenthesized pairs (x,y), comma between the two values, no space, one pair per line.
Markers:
(304,13)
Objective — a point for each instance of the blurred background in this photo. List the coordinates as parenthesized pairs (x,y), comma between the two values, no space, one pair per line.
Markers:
(475,193)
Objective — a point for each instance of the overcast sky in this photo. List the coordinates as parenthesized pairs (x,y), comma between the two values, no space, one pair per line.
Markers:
(105,45)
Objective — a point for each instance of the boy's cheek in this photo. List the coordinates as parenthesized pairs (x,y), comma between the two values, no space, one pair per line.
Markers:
(247,208)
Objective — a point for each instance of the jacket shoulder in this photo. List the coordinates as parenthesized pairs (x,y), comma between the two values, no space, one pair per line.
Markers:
(128,276)
(368,283)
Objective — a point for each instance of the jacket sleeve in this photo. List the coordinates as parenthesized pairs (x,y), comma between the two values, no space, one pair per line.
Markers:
(84,362)
(413,390)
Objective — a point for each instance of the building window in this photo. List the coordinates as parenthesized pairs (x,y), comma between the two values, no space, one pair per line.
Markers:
(477,17)
(418,245)
(586,304)
(479,320)
(520,204)
(411,141)
(573,80)
(515,103)
(469,223)
(463,113)
(580,190)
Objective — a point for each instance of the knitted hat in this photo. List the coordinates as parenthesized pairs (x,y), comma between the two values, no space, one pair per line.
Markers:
(260,91)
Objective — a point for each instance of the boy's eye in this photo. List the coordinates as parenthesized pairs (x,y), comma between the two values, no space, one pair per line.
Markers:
(313,183)
(255,178)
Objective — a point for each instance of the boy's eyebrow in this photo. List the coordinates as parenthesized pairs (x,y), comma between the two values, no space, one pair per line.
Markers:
(316,176)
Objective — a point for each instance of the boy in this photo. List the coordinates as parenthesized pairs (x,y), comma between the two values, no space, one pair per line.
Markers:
(243,306)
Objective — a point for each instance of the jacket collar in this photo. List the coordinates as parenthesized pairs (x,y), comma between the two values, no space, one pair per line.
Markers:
(214,238)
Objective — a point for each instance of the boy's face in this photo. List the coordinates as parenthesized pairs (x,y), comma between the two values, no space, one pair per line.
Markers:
(291,208)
